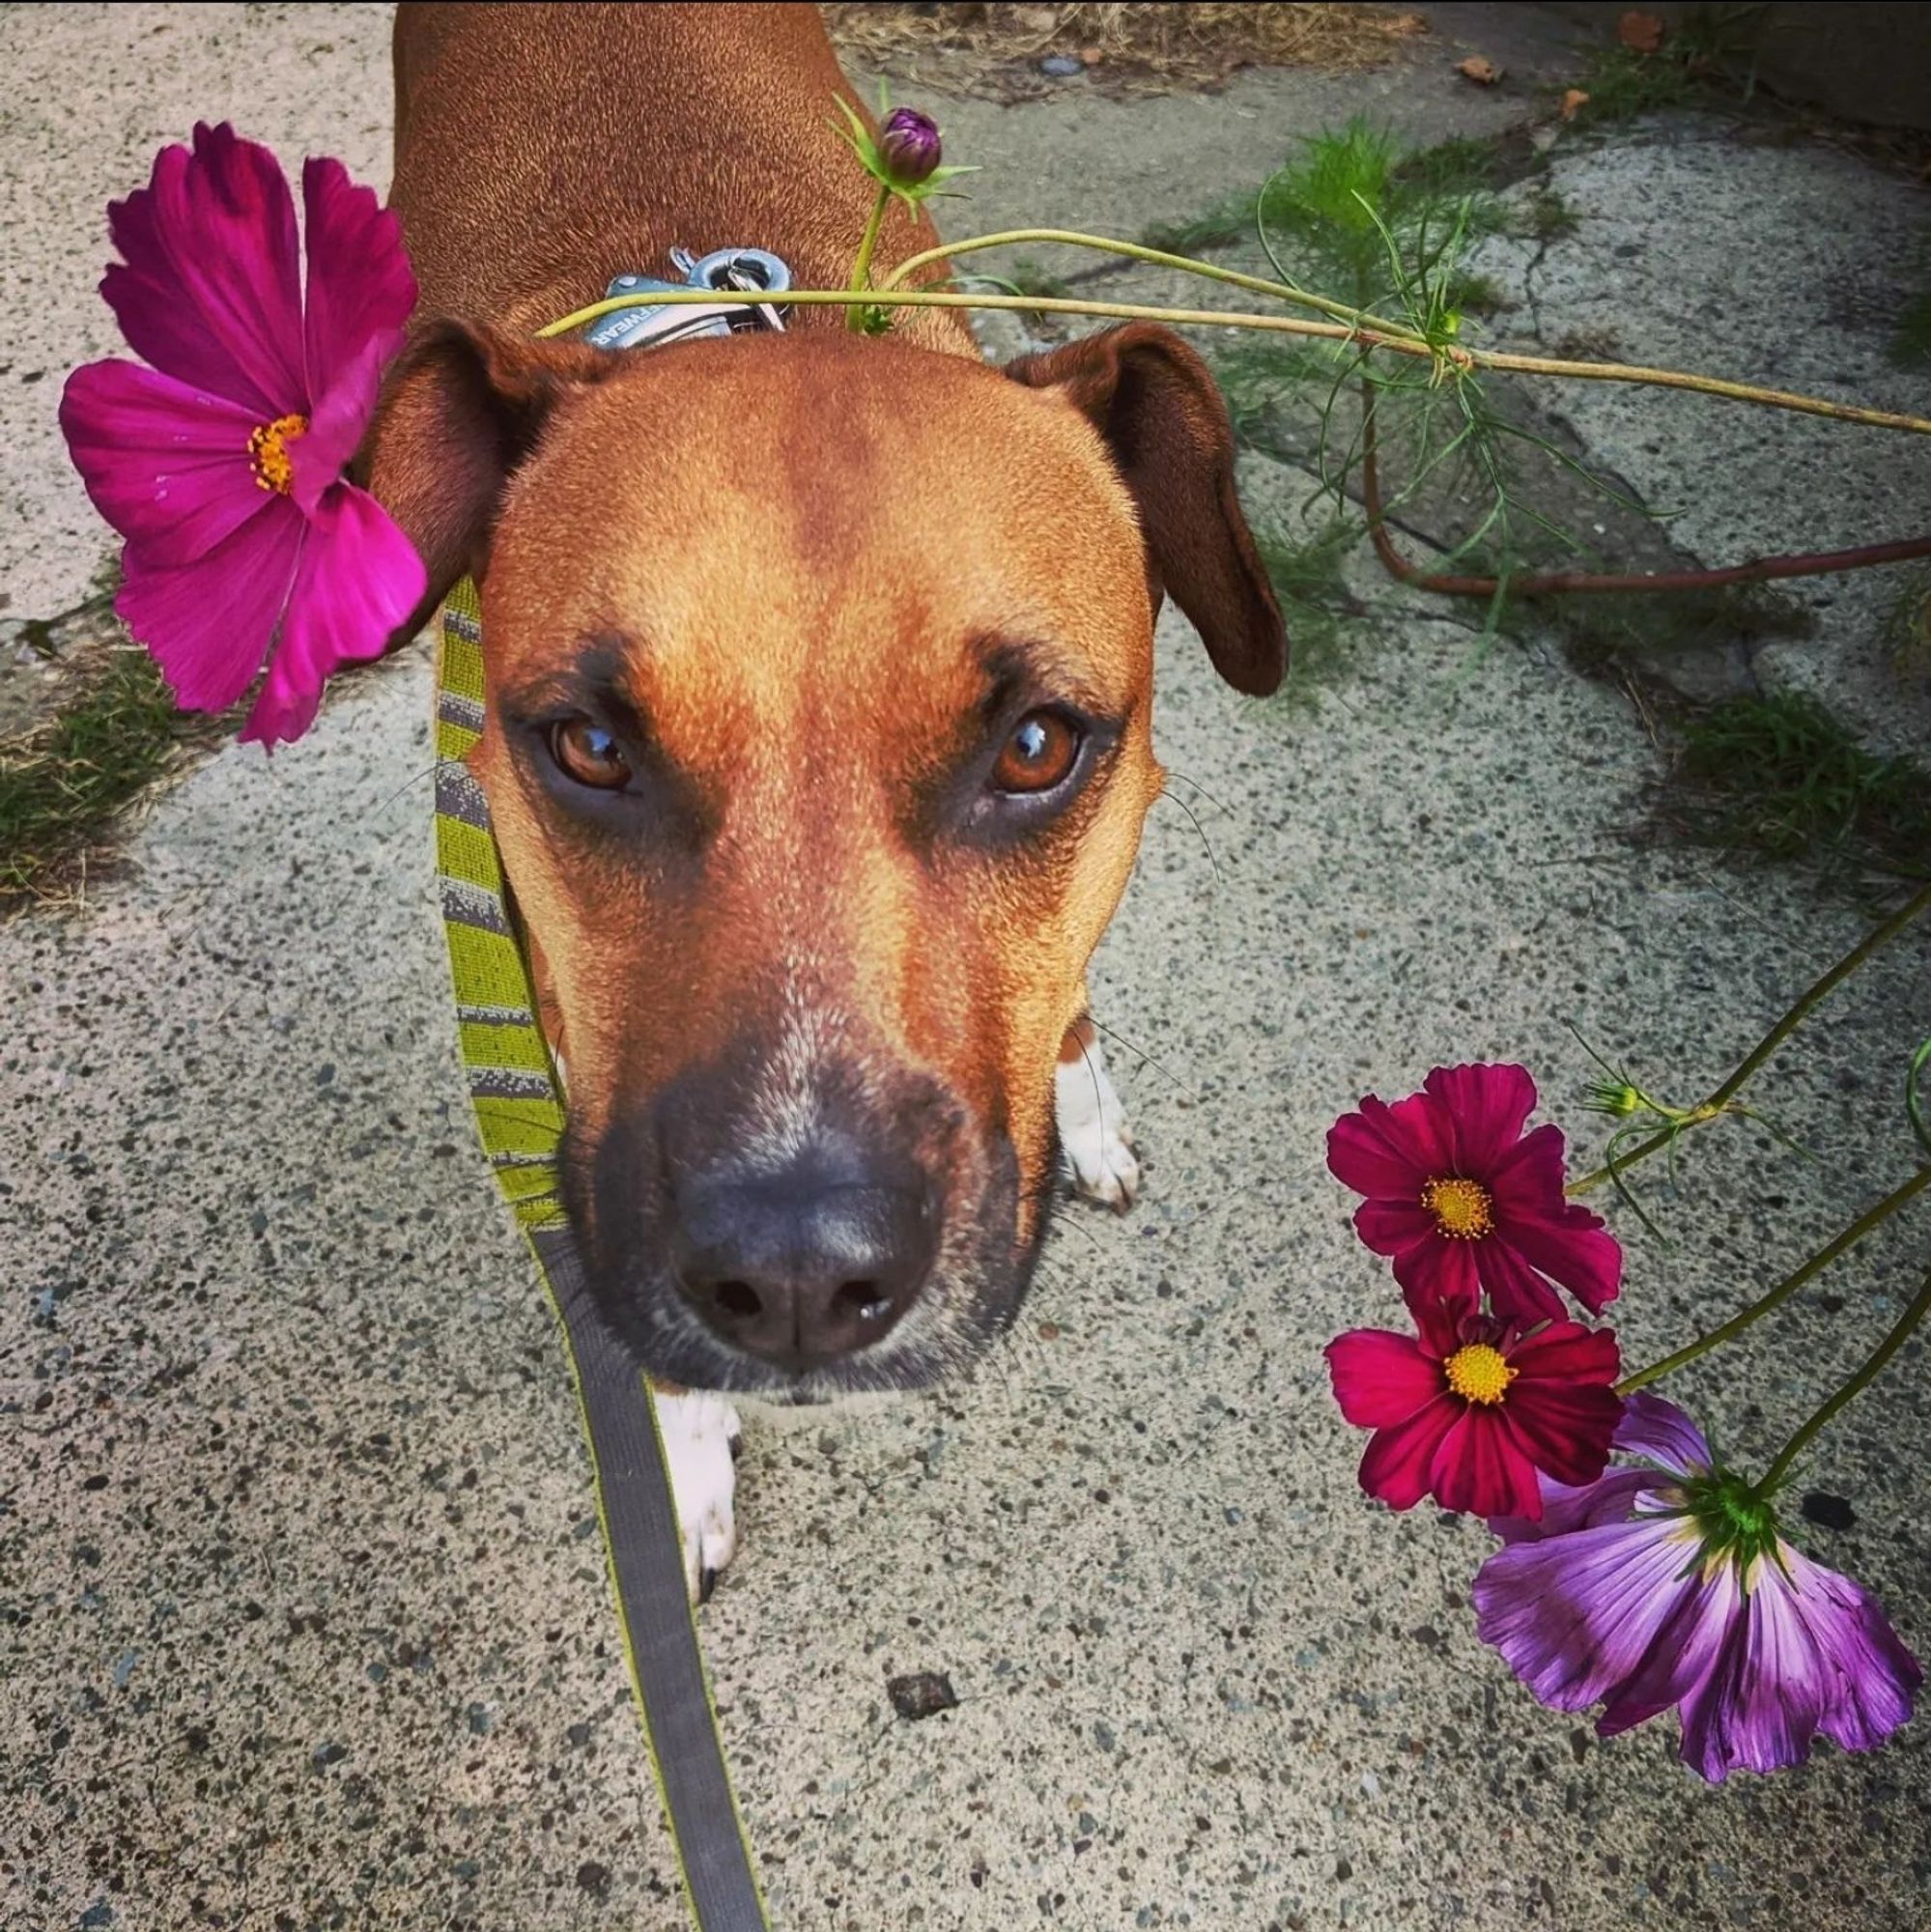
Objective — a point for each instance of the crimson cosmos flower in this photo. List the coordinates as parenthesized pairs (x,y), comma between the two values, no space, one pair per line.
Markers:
(1464,1202)
(1667,1584)
(1472,1409)
(221,465)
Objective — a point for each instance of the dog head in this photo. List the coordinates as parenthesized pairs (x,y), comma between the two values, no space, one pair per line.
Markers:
(819,682)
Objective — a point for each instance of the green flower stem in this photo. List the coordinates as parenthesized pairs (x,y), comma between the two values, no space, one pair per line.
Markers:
(1718,1101)
(1457,358)
(1850,1390)
(1784,1288)
(867,245)
(1135,252)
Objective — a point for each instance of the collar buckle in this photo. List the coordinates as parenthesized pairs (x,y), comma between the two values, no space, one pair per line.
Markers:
(650,325)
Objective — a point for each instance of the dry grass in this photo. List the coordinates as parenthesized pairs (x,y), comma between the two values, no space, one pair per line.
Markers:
(995,51)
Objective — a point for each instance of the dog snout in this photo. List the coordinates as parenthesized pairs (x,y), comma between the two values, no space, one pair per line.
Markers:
(806,1266)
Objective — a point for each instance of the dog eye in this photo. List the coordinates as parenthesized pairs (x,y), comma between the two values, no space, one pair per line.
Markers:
(1043,748)
(589,754)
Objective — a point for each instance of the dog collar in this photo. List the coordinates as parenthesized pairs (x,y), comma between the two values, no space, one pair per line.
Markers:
(648,327)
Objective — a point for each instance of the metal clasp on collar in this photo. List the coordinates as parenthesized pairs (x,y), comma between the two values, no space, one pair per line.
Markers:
(650,325)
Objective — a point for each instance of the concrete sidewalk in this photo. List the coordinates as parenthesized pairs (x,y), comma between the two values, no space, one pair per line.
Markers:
(305,1622)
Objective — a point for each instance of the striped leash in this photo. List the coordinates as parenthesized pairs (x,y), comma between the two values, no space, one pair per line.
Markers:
(519,1109)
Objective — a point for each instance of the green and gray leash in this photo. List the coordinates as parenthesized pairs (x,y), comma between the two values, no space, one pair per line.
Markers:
(519,1108)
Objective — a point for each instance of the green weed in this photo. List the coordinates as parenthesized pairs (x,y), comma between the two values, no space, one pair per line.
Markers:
(1707,58)
(1781,776)
(63,785)
(1313,598)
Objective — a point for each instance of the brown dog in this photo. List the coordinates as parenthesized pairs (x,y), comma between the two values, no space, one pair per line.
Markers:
(820,679)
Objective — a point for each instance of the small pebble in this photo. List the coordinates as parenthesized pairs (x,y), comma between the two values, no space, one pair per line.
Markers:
(1059,66)
(921,1693)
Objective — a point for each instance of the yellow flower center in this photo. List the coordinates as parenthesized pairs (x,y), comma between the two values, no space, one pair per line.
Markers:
(1462,1209)
(268,451)
(1478,1373)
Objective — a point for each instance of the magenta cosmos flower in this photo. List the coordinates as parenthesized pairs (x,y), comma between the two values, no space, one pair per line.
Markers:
(1668,1584)
(1471,1409)
(221,465)
(1464,1200)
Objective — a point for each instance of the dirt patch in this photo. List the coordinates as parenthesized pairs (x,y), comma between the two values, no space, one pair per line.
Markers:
(1016,53)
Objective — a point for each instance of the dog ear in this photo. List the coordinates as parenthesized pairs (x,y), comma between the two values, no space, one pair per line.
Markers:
(460,412)
(1157,405)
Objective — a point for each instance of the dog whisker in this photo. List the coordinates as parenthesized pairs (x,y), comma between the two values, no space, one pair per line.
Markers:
(1206,843)
(1145,1058)
(1226,811)
(414,778)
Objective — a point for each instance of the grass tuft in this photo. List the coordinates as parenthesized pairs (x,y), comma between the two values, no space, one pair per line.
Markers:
(1782,778)
(1217,227)
(1325,205)
(1547,217)
(1911,341)
(1907,624)
(1709,57)
(64,784)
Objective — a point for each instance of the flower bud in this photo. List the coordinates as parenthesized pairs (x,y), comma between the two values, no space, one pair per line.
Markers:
(1614,1097)
(909,146)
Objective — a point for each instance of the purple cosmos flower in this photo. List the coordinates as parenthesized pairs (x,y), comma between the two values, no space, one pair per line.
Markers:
(908,144)
(221,465)
(1669,1585)
(1464,1202)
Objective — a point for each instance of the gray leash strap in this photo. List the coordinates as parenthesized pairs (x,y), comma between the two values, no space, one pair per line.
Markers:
(639,1520)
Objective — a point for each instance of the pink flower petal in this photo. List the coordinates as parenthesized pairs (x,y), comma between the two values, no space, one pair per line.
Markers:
(1528,1176)
(1479,1467)
(1562,1428)
(1660,1433)
(361,580)
(1439,1274)
(319,456)
(1580,1253)
(165,464)
(1380,1377)
(360,290)
(211,292)
(1515,1292)
(209,624)
(1576,1616)
(1393,1227)
(1566,1351)
(1396,1466)
(1611,1498)
(1869,1679)
(1388,1153)
(1556,1237)
(1488,1105)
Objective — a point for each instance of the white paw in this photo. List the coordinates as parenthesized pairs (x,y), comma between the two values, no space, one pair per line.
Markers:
(1095,1139)
(699,1432)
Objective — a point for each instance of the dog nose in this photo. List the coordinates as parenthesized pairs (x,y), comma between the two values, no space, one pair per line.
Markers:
(800,1268)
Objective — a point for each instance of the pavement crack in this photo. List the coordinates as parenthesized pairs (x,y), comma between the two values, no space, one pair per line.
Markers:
(1529,295)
